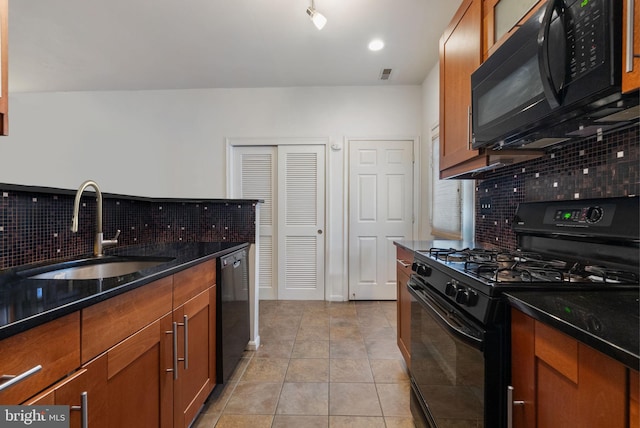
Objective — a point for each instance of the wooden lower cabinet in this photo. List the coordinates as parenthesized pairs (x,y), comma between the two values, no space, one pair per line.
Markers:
(196,365)
(132,382)
(559,381)
(73,391)
(404,261)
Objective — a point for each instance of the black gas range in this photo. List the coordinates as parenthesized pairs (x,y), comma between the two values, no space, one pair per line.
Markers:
(459,322)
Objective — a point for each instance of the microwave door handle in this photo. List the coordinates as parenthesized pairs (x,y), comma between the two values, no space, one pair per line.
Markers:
(550,92)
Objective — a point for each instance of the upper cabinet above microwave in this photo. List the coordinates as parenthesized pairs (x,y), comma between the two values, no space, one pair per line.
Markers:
(501,18)
(630,46)
(4,67)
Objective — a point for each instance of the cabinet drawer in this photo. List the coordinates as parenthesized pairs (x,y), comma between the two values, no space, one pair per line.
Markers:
(107,323)
(191,282)
(404,260)
(55,346)
(557,350)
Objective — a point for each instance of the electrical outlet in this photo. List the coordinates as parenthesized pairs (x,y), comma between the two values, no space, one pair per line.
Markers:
(485,205)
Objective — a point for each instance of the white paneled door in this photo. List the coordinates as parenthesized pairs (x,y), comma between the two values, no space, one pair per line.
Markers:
(290,179)
(380,212)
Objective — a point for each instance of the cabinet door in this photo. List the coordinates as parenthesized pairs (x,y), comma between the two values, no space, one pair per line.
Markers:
(522,370)
(4,67)
(630,46)
(135,381)
(634,393)
(50,351)
(501,18)
(74,392)
(404,260)
(562,381)
(196,373)
(460,55)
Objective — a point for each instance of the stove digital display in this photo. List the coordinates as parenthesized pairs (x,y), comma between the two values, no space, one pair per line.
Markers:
(571,215)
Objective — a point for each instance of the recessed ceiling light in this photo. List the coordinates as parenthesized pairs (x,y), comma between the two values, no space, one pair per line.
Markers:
(376,44)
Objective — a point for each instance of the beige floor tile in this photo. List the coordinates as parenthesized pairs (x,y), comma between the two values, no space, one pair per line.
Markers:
(316,318)
(206,420)
(310,349)
(375,332)
(285,421)
(254,398)
(389,371)
(399,422)
(266,370)
(350,370)
(356,422)
(347,349)
(275,349)
(383,349)
(351,332)
(353,399)
(394,399)
(245,421)
(313,333)
(308,370)
(304,398)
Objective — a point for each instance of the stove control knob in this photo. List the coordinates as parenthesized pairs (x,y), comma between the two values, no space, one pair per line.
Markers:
(594,214)
(466,296)
(450,289)
(423,270)
(414,266)
(462,296)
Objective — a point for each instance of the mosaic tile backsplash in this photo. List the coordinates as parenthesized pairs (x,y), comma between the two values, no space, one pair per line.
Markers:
(35,225)
(582,170)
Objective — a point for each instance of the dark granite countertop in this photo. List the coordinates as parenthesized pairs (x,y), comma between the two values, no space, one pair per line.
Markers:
(608,321)
(26,303)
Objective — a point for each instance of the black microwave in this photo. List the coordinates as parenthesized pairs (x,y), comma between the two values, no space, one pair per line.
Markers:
(557,77)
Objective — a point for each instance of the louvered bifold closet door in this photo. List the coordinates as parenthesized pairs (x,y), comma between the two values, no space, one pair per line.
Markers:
(257,167)
(301,220)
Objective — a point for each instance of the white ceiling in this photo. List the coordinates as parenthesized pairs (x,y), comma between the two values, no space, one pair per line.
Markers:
(84,45)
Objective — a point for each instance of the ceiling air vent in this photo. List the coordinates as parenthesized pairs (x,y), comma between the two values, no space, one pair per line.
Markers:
(385,74)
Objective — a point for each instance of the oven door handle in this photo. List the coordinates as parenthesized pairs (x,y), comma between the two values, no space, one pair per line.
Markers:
(445,321)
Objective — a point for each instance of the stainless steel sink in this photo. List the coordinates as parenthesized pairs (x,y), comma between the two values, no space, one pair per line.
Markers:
(102,267)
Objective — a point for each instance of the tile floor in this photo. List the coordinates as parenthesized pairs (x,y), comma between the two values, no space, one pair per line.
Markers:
(320,364)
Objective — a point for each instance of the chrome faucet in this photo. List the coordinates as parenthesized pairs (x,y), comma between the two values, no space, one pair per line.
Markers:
(99,243)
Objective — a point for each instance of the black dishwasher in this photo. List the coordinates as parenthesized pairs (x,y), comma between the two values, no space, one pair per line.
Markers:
(233,314)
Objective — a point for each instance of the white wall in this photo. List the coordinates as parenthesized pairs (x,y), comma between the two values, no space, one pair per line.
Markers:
(172,143)
(430,117)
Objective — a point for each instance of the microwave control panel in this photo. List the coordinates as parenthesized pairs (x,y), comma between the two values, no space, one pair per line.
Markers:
(585,26)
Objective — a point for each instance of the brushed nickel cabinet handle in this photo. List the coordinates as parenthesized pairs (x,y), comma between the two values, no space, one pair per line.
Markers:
(403,263)
(186,341)
(174,332)
(510,404)
(13,379)
(84,408)
(629,36)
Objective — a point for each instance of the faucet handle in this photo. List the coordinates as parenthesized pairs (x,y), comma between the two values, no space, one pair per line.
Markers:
(115,238)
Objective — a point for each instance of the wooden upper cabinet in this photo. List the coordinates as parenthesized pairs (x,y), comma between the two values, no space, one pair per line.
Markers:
(501,18)
(4,67)
(460,55)
(630,46)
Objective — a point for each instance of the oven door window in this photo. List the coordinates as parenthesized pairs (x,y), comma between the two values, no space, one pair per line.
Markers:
(447,367)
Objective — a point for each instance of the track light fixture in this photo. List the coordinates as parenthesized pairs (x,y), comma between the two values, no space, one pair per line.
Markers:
(317,18)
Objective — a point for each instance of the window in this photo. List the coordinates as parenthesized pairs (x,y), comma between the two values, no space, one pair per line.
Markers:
(446,197)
